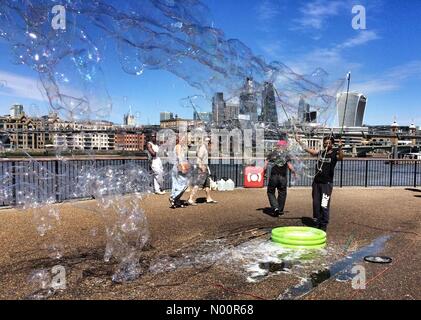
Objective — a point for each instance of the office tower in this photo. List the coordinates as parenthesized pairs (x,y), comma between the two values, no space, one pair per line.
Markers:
(129,120)
(301,109)
(248,102)
(355,109)
(16,111)
(166,116)
(304,112)
(232,111)
(269,113)
(218,108)
(203,116)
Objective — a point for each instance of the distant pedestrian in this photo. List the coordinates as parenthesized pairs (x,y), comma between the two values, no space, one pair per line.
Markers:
(179,174)
(323,180)
(280,162)
(156,165)
(202,174)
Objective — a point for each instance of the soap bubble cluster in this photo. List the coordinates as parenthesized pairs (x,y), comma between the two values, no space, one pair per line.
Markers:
(175,36)
(171,35)
(118,191)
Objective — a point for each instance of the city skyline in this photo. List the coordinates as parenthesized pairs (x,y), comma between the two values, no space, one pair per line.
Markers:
(292,32)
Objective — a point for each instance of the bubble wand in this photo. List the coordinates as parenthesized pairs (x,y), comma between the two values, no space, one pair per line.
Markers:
(348,78)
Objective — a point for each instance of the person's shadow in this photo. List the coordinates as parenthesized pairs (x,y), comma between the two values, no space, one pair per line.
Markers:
(414,190)
(201,200)
(267,211)
(307,221)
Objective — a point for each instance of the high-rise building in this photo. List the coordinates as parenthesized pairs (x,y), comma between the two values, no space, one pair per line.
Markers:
(310,116)
(355,109)
(203,116)
(129,120)
(166,116)
(269,113)
(301,110)
(304,113)
(232,110)
(218,108)
(16,111)
(248,102)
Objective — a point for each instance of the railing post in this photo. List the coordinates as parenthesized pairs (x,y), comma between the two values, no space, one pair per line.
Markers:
(391,174)
(56,180)
(366,173)
(14,193)
(342,173)
(415,173)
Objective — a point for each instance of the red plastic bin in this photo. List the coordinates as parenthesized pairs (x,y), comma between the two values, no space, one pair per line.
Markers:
(254,177)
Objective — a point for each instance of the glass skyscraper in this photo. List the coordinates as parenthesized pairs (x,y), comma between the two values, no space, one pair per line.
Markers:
(269,112)
(355,109)
(218,108)
(166,116)
(248,102)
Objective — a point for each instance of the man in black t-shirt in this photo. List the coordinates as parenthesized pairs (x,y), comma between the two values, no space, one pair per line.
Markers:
(280,162)
(323,180)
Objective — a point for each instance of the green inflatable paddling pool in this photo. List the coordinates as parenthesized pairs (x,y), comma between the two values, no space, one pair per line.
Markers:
(299,237)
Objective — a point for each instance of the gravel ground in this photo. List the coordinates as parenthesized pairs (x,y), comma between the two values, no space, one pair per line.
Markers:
(358,217)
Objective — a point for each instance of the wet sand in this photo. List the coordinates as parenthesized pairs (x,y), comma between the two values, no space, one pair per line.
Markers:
(358,216)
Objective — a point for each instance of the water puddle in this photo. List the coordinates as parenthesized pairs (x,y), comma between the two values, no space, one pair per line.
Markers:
(341,270)
(259,259)
(256,259)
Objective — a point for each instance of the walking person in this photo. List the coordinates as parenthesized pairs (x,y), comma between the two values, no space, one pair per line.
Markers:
(202,174)
(323,180)
(156,165)
(179,174)
(280,162)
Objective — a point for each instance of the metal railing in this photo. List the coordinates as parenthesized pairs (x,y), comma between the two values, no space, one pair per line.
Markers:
(57,180)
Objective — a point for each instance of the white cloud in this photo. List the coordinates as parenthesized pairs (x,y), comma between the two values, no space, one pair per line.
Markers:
(332,59)
(20,87)
(267,10)
(314,14)
(362,38)
(391,80)
(375,86)
(408,70)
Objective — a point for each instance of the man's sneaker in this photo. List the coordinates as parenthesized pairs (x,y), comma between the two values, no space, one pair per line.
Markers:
(172,203)
(275,212)
(160,193)
(323,228)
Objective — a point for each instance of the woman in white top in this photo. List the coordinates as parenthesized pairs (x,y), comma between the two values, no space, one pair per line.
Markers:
(156,166)
(180,173)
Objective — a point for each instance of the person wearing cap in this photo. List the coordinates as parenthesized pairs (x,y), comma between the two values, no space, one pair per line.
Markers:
(202,174)
(280,162)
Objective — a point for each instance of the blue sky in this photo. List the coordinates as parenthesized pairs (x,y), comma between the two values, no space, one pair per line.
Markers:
(385,59)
